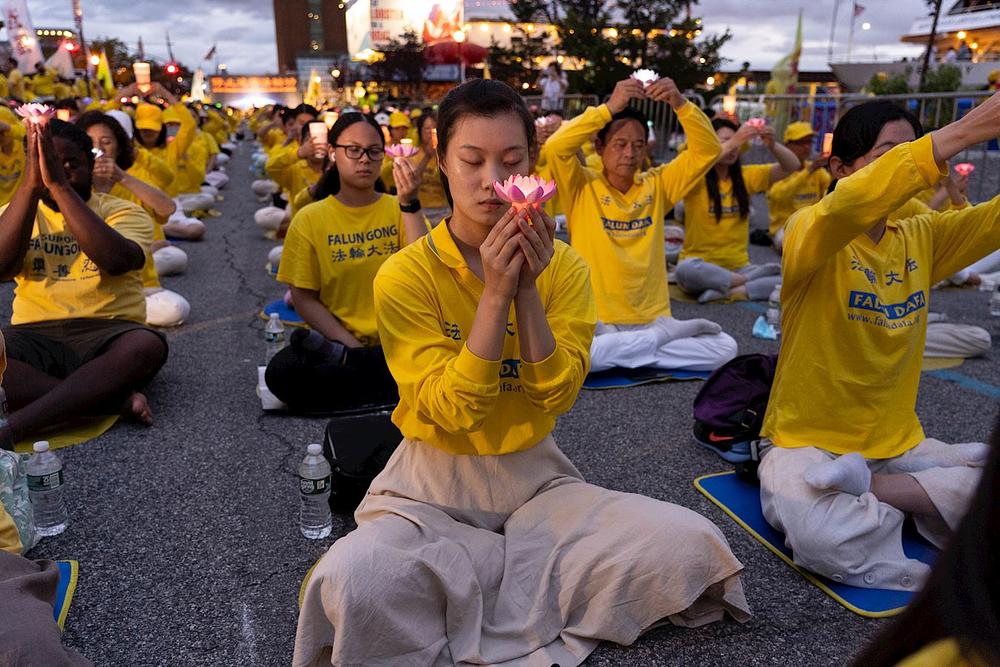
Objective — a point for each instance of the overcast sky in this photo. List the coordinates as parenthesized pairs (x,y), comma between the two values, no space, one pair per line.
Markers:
(244,29)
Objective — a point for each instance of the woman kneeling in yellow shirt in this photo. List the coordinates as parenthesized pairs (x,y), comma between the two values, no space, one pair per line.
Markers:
(714,262)
(332,251)
(846,471)
(480,542)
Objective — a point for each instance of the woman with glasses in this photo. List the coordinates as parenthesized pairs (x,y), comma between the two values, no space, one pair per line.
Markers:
(333,249)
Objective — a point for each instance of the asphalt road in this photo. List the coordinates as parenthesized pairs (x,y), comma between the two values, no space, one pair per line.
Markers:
(186,532)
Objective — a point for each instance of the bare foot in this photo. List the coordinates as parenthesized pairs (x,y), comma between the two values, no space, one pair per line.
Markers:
(136,408)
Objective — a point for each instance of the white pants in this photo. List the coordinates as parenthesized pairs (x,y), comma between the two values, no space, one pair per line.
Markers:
(988,264)
(635,346)
(269,218)
(217,178)
(264,188)
(195,201)
(165,308)
(948,339)
(170,261)
(857,540)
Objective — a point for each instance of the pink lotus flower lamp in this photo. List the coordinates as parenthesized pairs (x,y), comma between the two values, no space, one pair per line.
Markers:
(964,168)
(524,191)
(34,113)
(646,77)
(403,149)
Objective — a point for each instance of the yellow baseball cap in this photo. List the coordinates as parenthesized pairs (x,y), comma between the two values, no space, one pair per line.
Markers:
(399,119)
(148,117)
(799,130)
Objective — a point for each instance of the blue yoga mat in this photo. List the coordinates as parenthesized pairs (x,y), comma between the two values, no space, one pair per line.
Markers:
(741,501)
(286,314)
(64,591)
(619,378)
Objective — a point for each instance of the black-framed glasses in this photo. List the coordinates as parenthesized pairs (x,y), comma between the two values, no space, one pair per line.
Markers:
(355,152)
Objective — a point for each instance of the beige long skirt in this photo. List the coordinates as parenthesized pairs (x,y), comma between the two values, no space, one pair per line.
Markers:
(508,560)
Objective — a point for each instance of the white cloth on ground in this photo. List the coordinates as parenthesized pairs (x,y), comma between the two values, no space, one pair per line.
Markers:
(192,202)
(857,540)
(170,261)
(507,560)
(264,188)
(165,308)
(269,218)
(639,346)
(217,179)
(274,256)
(181,226)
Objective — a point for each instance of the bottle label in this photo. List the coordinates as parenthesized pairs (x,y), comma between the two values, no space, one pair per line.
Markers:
(47,482)
(271,337)
(314,487)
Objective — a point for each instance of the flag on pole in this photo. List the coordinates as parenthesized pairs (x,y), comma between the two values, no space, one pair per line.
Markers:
(784,80)
(142,50)
(107,83)
(313,91)
(21,33)
(858,10)
(211,52)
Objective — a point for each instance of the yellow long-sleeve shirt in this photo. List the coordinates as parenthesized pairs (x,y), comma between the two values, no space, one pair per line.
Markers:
(174,151)
(279,161)
(855,312)
(621,234)
(723,241)
(794,192)
(425,302)
(11,171)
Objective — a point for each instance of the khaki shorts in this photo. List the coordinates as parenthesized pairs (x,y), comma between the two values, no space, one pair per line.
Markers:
(59,347)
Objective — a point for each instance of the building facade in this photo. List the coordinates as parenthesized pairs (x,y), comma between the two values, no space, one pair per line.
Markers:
(308,29)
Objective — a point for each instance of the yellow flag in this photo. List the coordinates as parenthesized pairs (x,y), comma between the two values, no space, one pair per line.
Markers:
(107,84)
(313,91)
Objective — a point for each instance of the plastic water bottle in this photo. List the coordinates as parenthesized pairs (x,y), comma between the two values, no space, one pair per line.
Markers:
(773,314)
(315,521)
(274,337)
(995,302)
(45,489)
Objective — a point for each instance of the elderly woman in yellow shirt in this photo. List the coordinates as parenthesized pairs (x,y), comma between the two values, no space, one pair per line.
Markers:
(615,220)
(845,472)
(480,542)
(714,262)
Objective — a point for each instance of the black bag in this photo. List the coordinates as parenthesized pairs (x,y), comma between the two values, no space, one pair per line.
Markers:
(357,447)
(729,410)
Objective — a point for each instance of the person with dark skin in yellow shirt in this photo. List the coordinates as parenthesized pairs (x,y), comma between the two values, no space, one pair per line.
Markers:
(615,221)
(845,472)
(714,262)
(77,345)
(480,542)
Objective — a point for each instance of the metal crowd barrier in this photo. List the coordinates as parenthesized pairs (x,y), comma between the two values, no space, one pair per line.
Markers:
(572,105)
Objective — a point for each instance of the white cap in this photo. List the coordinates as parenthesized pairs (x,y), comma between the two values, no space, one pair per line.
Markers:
(40,446)
(123,119)
(314,450)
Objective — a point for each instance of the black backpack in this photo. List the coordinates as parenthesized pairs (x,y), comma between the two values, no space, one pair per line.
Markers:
(357,447)
(729,410)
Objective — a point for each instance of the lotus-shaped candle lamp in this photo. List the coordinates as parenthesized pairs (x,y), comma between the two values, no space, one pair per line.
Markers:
(756,123)
(404,149)
(35,113)
(646,76)
(964,168)
(524,191)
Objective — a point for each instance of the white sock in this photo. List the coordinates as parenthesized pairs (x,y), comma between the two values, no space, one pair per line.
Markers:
(668,329)
(848,473)
(712,295)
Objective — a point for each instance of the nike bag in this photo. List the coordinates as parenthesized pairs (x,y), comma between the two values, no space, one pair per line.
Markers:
(729,409)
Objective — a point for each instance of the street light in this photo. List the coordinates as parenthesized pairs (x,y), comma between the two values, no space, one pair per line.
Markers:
(866,26)
(459,37)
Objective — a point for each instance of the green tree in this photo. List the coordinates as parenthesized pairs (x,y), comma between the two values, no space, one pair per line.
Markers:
(943,79)
(519,63)
(884,84)
(641,37)
(402,60)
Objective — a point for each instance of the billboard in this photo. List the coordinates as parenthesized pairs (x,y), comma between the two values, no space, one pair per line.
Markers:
(373,23)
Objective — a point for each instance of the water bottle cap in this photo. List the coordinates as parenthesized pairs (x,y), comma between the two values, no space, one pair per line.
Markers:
(40,446)
(274,316)
(315,450)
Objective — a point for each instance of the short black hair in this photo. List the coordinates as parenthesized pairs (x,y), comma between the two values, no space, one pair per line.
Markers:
(70,132)
(126,151)
(858,129)
(628,113)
